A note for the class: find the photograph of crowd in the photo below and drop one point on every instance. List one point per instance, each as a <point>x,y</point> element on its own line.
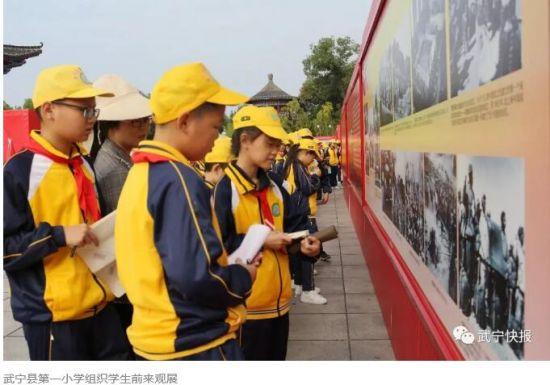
<point>385,89</point>
<point>368,120</point>
<point>372,140</point>
<point>402,195</point>
<point>401,70</point>
<point>440,227</point>
<point>429,52</point>
<point>485,41</point>
<point>491,204</point>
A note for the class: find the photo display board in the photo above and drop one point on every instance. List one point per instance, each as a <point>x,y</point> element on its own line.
<point>456,162</point>
<point>353,109</point>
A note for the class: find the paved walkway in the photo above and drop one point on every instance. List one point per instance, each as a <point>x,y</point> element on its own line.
<point>350,326</point>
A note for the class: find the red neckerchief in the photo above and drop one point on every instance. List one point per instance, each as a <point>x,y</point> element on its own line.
<point>87,199</point>
<point>264,206</point>
<point>139,156</point>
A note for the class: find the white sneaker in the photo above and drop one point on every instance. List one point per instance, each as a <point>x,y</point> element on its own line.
<point>298,290</point>
<point>313,298</point>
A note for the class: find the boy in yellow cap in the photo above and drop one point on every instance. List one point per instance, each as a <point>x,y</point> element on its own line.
<point>216,161</point>
<point>247,196</point>
<point>49,202</point>
<point>302,186</point>
<point>334,163</point>
<point>188,303</point>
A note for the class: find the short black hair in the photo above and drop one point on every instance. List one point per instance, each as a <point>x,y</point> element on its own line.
<point>210,165</point>
<point>205,107</point>
<point>252,131</point>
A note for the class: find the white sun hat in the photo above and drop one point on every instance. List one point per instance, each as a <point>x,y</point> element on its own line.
<point>128,102</point>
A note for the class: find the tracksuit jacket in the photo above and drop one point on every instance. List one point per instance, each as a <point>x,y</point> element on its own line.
<point>48,280</point>
<point>240,203</point>
<point>171,259</point>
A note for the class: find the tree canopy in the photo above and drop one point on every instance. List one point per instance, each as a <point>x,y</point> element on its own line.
<point>328,69</point>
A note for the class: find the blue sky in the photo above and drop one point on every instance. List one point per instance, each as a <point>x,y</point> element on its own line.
<point>240,41</point>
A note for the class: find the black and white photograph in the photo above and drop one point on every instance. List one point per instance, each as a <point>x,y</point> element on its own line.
<point>485,41</point>
<point>385,89</point>
<point>372,139</point>
<point>491,200</point>
<point>368,121</point>
<point>375,140</point>
<point>387,164</point>
<point>401,69</point>
<point>402,195</point>
<point>440,220</point>
<point>429,53</point>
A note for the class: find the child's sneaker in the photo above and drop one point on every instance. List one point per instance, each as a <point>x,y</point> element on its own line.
<point>298,290</point>
<point>313,298</point>
<point>324,257</point>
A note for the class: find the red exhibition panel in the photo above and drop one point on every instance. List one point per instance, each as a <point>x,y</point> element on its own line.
<point>446,149</point>
<point>17,126</point>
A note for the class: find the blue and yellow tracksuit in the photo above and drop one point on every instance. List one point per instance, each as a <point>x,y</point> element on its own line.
<point>302,188</point>
<point>48,282</point>
<point>62,305</point>
<point>210,186</point>
<point>171,259</point>
<point>238,206</point>
<point>334,163</point>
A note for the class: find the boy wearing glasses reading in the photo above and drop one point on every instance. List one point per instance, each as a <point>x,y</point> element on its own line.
<point>49,202</point>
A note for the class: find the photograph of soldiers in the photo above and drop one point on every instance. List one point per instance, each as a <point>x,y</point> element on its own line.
<point>372,146</point>
<point>485,41</point>
<point>387,164</point>
<point>385,89</point>
<point>440,230</point>
<point>429,51</point>
<point>402,195</point>
<point>368,121</point>
<point>491,252</point>
<point>375,139</point>
<point>401,70</point>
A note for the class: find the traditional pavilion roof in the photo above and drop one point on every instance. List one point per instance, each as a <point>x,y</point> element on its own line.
<point>17,55</point>
<point>271,95</point>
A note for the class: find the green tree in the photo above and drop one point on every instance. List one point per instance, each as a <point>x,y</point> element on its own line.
<point>27,104</point>
<point>7,106</point>
<point>328,70</point>
<point>294,117</point>
<point>324,122</point>
<point>228,123</point>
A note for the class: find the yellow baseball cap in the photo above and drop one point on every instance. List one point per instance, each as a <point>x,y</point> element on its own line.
<point>221,152</point>
<point>265,118</point>
<point>309,145</point>
<point>63,81</point>
<point>304,132</point>
<point>186,87</point>
<point>294,138</point>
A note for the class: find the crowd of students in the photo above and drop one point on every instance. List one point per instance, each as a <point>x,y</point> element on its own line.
<point>184,198</point>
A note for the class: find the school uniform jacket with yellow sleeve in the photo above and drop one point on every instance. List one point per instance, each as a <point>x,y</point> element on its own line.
<point>238,207</point>
<point>333,157</point>
<point>48,281</point>
<point>171,260</point>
